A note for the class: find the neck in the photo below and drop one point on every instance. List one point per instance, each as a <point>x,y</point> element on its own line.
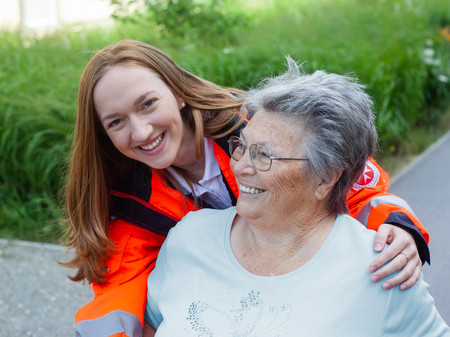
<point>278,248</point>
<point>194,169</point>
<point>187,159</point>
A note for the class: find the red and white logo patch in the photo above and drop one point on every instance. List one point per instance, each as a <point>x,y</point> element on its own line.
<point>368,178</point>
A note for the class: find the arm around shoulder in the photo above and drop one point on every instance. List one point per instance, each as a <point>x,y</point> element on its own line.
<point>370,204</point>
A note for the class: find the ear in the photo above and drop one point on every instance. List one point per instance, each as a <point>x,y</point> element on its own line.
<point>180,102</point>
<point>324,188</point>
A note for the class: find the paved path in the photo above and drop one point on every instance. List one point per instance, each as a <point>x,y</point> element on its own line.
<point>425,185</point>
<point>37,299</point>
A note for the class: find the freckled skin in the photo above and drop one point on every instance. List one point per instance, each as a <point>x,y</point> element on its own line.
<point>136,108</point>
<point>278,230</point>
<point>283,138</point>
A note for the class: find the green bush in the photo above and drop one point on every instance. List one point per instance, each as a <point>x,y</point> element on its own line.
<point>381,42</point>
<point>400,49</point>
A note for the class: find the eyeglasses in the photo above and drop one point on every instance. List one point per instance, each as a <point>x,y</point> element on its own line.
<point>260,156</point>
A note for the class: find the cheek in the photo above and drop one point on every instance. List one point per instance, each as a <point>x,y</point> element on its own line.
<point>291,189</point>
<point>286,185</point>
<point>118,140</point>
<point>177,124</point>
<point>232,164</point>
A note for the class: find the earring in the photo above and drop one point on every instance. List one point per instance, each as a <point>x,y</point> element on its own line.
<point>183,105</point>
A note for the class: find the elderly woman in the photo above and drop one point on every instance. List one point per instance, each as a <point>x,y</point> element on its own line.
<point>287,260</point>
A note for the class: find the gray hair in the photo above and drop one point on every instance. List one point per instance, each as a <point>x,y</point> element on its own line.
<point>336,113</point>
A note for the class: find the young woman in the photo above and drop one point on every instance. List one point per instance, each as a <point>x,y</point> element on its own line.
<point>150,145</point>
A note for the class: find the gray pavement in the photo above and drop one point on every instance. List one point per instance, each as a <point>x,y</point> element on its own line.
<point>425,185</point>
<point>37,299</point>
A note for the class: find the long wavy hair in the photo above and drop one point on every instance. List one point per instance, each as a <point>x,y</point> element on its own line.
<point>210,111</point>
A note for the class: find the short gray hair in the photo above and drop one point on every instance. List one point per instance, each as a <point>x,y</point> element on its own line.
<point>339,128</point>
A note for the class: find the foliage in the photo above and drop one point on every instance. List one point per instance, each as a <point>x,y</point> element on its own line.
<point>381,42</point>
<point>400,49</point>
<point>38,82</point>
<point>183,19</point>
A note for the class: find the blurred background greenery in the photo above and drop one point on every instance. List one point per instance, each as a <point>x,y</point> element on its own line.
<point>399,48</point>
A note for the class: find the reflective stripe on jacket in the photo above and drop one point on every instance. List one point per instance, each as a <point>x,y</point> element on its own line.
<point>142,220</point>
<point>118,306</point>
<point>146,211</point>
<point>369,203</point>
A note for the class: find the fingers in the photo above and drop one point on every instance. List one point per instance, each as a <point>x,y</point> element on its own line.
<point>395,264</point>
<point>400,258</point>
<point>406,278</point>
<point>382,236</point>
<point>390,253</point>
<point>413,279</point>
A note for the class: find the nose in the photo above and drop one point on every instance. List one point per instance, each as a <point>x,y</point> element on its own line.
<point>140,128</point>
<point>243,165</point>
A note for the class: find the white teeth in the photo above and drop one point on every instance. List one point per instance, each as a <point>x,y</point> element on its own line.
<point>154,144</point>
<point>249,190</point>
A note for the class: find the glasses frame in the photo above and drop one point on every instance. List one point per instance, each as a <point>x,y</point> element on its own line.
<point>249,147</point>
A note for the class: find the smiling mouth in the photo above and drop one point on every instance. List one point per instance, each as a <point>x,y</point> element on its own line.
<point>250,190</point>
<point>154,144</point>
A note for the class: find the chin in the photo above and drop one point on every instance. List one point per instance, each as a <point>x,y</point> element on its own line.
<point>245,210</point>
<point>161,163</point>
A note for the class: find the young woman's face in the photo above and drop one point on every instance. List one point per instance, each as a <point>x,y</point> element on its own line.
<point>141,115</point>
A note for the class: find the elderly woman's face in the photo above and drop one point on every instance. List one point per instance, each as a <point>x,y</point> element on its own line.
<point>285,187</point>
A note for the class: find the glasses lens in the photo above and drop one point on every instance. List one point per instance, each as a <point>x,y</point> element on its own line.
<point>260,157</point>
<point>237,148</point>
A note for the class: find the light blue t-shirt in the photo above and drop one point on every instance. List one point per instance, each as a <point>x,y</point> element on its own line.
<point>198,288</point>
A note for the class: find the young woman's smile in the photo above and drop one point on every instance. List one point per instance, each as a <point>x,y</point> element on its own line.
<point>141,116</point>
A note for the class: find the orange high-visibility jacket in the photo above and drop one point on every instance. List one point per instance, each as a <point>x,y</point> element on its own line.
<point>145,211</point>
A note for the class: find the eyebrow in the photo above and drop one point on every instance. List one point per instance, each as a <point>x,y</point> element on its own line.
<point>138,100</point>
<point>142,98</point>
<point>110,116</point>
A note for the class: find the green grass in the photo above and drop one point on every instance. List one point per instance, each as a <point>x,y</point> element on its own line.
<point>384,43</point>
<point>419,139</point>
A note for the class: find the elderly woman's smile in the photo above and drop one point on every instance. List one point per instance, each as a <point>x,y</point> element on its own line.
<point>250,190</point>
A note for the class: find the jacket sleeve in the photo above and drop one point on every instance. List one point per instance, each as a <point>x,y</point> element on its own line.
<point>370,203</point>
<point>118,305</point>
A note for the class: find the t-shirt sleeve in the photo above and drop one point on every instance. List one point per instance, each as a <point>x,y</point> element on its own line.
<point>155,283</point>
<point>412,313</point>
